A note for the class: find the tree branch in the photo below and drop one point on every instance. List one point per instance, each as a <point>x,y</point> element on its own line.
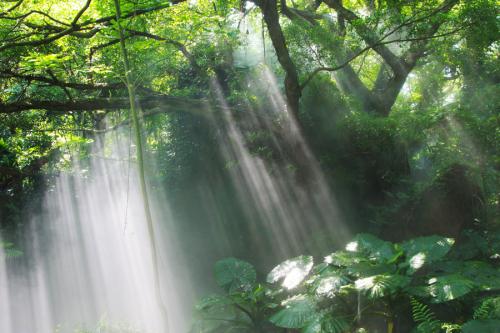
<point>269,10</point>
<point>93,26</point>
<point>181,47</point>
<point>369,47</point>
<point>368,36</point>
<point>55,82</point>
<point>81,12</point>
<point>17,4</point>
<point>170,103</point>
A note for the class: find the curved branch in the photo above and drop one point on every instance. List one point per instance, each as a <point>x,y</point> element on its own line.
<point>17,4</point>
<point>368,36</point>
<point>81,12</point>
<point>31,12</point>
<point>181,47</point>
<point>369,47</point>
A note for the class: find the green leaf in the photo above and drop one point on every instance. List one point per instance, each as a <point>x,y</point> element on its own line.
<point>329,284</point>
<point>375,248</point>
<point>326,323</point>
<point>483,274</point>
<point>292,272</point>
<point>313,327</point>
<point>382,285</point>
<point>365,268</point>
<point>298,311</point>
<point>234,275</point>
<point>482,326</point>
<point>449,287</point>
<point>425,250</point>
<point>333,324</point>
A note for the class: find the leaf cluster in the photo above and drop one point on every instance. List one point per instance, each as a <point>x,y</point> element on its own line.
<point>371,277</point>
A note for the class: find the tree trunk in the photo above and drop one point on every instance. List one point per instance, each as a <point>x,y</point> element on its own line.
<point>269,10</point>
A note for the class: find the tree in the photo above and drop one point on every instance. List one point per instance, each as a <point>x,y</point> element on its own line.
<point>398,33</point>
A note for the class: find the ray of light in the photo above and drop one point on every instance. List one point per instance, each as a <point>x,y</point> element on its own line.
<point>84,267</point>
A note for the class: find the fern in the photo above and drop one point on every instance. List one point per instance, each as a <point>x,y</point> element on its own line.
<point>424,317</point>
<point>483,310</point>
<point>488,309</point>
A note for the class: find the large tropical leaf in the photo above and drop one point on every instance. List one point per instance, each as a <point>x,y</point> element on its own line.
<point>375,248</point>
<point>425,250</point>
<point>382,285</point>
<point>291,272</point>
<point>297,312</point>
<point>483,274</point>
<point>326,323</point>
<point>328,284</point>
<point>234,275</point>
<point>449,287</point>
<point>333,324</point>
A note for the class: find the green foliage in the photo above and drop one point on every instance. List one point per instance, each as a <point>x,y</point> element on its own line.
<point>291,272</point>
<point>488,309</point>
<point>483,326</point>
<point>235,275</point>
<point>424,317</point>
<point>378,286</point>
<point>449,287</point>
<point>297,312</point>
<point>446,113</point>
<point>425,250</point>
<point>327,323</point>
<point>325,298</point>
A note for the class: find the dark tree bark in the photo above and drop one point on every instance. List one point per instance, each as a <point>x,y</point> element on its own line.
<point>270,13</point>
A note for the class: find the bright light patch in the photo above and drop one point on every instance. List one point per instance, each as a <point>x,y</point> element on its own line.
<point>448,291</point>
<point>366,283</point>
<point>417,260</point>
<point>329,285</point>
<point>293,279</point>
<point>352,247</point>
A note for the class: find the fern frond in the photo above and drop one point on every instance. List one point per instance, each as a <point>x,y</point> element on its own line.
<point>424,317</point>
<point>486,309</point>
